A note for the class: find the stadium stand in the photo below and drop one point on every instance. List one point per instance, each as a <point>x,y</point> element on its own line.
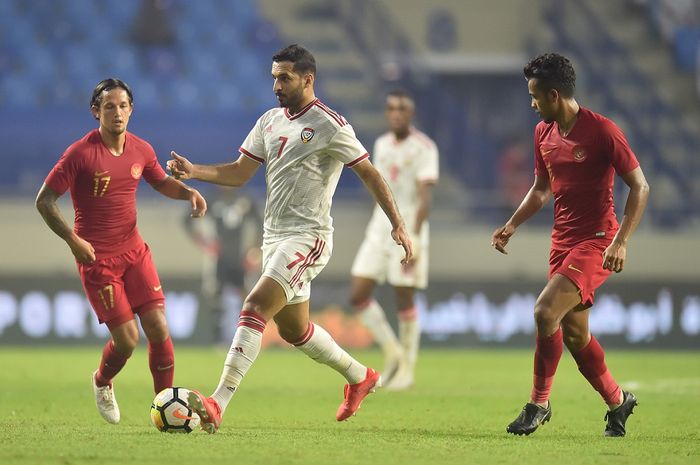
<point>200,73</point>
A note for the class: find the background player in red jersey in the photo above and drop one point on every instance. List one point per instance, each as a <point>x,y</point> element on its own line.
<point>577,153</point>
<point>102,171</point>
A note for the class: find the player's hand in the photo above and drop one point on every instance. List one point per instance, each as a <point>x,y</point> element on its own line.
<point>614,257</point>
<point>82,250</point>
<point>402,238</point>
<point>179,166</point>
<point>416,250</point>
<point>199,204</point>
<point>501,236</point>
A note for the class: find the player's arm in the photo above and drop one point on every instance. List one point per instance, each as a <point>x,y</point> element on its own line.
<point>228,174</point>
<point>425,200</point>
<point>536,198</point>
<point>376,185</point>
<point>177,190</point>
<point>49,211</point>
<point>614,256</point>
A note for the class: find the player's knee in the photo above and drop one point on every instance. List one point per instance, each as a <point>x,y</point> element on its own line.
<point>157,332</point>
<point>155,326</point>
<point>545,314</point>
<point>253,305</point>
<point>126,342</point>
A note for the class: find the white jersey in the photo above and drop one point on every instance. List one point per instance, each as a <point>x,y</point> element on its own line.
<point>304,155</point>
<point>404,164</point>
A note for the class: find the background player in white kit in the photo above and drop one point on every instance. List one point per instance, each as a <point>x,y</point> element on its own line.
<point>408,160</point>
<point>304,146</point>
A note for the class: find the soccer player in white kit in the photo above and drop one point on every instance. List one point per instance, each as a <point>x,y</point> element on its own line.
<point>304,146</point>
<point>408,160</point>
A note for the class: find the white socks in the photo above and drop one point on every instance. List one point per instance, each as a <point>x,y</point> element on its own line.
<point>374,318</point>
<point>409,333</point>
<point>245,348</point>
<point>320,346</point>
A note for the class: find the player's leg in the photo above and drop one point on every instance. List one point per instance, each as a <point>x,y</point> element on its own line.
<point>145,293</point>
<point>161,354</point>
<point>104,289</point>
<point>296,328</point>
<point>409,335</point>
<point>559,296</point>
<point>590,358</point>
<point>374,318</point>
<point>264,301</point>
<point>116,352</point>
<point>583,266</point>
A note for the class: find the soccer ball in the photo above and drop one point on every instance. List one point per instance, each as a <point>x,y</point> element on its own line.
<point>170,412</point>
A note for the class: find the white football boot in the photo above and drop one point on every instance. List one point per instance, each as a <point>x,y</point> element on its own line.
<point>106,402</point>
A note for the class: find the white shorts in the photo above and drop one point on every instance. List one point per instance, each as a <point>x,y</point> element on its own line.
<point>294,261</point>
<point>379,259</point>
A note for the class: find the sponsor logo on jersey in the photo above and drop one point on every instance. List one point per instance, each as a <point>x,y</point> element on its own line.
<point>136,170</point>
<point>268,129</point>
<point>579,154</point>
<point>307,134</point>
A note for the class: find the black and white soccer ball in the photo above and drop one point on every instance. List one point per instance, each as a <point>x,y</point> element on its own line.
<point>170,412</point>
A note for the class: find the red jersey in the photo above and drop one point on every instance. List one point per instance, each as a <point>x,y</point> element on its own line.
<point>581,168</point>
<point>103,189</point>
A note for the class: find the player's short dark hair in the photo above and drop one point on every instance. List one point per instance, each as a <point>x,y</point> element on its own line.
<point>107,85</point>
<point>400,93</point>
<point>552,71</point>
<point>304,61</point>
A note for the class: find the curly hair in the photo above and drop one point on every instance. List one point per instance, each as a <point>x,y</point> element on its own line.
<point>552,71</point>
<point>304,61</point>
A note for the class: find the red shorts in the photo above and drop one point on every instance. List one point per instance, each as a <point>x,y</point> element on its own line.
<point>119,287</point>
<point>582,264</point>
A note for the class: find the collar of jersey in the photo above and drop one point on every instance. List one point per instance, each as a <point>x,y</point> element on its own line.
<point>300,112</point>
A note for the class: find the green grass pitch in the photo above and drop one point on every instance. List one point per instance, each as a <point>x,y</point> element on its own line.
<point>284,412</point>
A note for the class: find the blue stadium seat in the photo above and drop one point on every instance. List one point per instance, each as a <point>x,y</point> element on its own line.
<point>17,91</point>
<point>227,97</point>
<point>686,45</point>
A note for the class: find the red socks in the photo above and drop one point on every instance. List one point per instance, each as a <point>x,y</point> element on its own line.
<point>547,354</point>
<point>591,364</point>
<point>161,360</point>
<point>112,362</point>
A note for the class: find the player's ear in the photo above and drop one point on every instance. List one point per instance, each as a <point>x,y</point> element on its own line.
<point>309,80</point>
<point>95,112</point>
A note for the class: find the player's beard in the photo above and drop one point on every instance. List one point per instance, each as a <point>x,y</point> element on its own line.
<point>292,100</point>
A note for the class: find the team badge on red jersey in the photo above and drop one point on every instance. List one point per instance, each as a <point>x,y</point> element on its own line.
<point>307,134</point>
<point>136,170</point>
<point>579,153</point>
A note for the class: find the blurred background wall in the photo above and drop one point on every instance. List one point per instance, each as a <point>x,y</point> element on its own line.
<point>200,75</point>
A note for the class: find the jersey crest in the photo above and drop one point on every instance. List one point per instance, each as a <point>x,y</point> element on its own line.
<point>579,154</point>
<point>307,134</point>
<point>136,170</point>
